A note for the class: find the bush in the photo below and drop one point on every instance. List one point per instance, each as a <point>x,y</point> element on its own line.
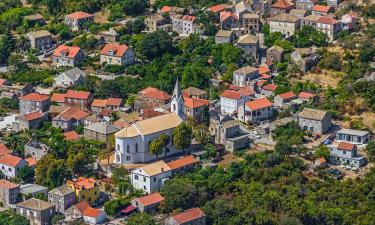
<point>114,69</point>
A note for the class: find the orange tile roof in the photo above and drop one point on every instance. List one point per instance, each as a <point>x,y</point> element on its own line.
<point>7,184</point>
<point>33,116</point>
<point>157,94</point>
<point>259,103</point>
<point>150,113</point>
<point>106,112</point>
<point>117,49</point>
<point>82,206</point>
<point>287,95</point>
<point>346,146</point>
<point>79,15</point>
<point>121,124</point>
<point>231,94</point>
<point>72,51</point>
<point>322,160</point>
<point>283,4</point>
<point>165,9</point>
<point>3,81</point>
<point>92,212</point>
<point>10,160</point>
<point>185,161</point>
<point>71,135</point>
<point>4,149</point>
<point>217,8</point>
<point>306,95</point>
<point>261,83</point>
<point>189,215</point>
<point>188,17</point>
<point>73,113</point>
<point>263,69</point>
<point>35,97</point>
<point>327,20</point>
<point>114,102</point>
<point>193,103</point>
<point>57,97</point>
<point>321,8</point>
<point>225,15</point>
<point>270,87</point>
<point>83,182</point>
<point>150,199</point>
<point>246,91</point>
<point>78,94</point>
<point>31,161</point>
<point>265,76</point>
<point>99,103</point>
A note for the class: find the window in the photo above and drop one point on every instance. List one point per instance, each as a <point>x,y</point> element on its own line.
<point>127,148</point>
<point>136,147</point>
<point>154,179</point>
<point>144,179</point>
<point>136,177</point>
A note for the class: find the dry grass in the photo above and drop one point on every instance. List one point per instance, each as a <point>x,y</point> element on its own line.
<point>228,159</point>
<point>325,79</point>
<point>101,17</point>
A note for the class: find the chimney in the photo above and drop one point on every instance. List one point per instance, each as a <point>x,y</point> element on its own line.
<point>162,170</point>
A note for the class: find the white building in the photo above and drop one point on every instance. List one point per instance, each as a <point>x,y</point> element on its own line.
<point>255,111</point>
<point>183,25</point>
<point>150,178</point>
<point>244,75</point>
<point>231,100</point>
<point>116,54</point>
<point>345,154</point>
<point>353,136</point>
<point>69,78</point>
<point>10,165</point>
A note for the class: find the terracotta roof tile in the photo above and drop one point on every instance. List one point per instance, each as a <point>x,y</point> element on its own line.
<point>10,160</point>
<point>270,87</point>
<point>246,91</point>
<point>7,184</point>
<point>150,199</point>
<point>3,81</point>
<point>4,149</point>
<point>321,8</point>
<point>189,215</point>
<point>36,97</point>
<point>193,103</point>
<point>114,102</point>
<point>92,212</point>
<point>185,161</point>
<point>346,146</point>
<point>283,4</point>
<point>82,206</point>
<point>117,50</point>
<point>99,103</point>
<point>225,15</point>
<point>71,51</point>
<point>188,17</point>
<point>78,94</point>
<point>231,94</point>
<point>73,113</point>
<point>156,94</point>
<point>259,103</point>
<point>106,112</point>
<point>306,95</point>
<point>287,95</point>
<point>327,20</point>
<point>217,8</point>
<point>33,116</point>
<point>57,97</point>
<point>263,70</point>
<point>31,161</point>
<point>166,9</point>
<point>79,15</point>
<point>71,135</point>
<point>83,182</point>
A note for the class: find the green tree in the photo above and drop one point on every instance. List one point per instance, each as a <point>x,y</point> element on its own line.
<point>10,218</point>
<point>141,219</point>
<point>112,207</point>
<point>155,44</point>
<point>201,133</point>
<point>322,152</point>
<point>182,135</point>
<point>156,147</point>
<point>370,149</point>
<point>26,174</point>
<point>309,36</point>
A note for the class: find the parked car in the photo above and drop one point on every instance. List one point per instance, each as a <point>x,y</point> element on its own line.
<point>327,142</point>
<point>256,134</point>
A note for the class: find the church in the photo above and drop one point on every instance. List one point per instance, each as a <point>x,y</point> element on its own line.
<point>132,142</point>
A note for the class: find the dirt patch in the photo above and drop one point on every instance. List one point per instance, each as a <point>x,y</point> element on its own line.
<point>368,119</point>
<point>325,79</point>
<point>101,17</point>
<point>228,159</point>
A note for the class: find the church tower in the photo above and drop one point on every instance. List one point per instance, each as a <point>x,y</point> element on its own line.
<point>177,103</point>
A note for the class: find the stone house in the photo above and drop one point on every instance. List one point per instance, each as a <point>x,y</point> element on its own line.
<point>19,90</point>
<point>321,10</point>
<point>217,9</point>
<point>149,203</point>
<point>117,54</point>
<point>150,98</point>
<point>255,111</point>
<point>193,92</point>
<point>228,20</point>
<point>242,8</point>
<point>194,216</point>
<point>9,192</point>
<point>69,119</point>
<point>306,4</point>
<point>113,104</point>
<point>100,132</point>
<point>333,3</point>
<point>36,149</point>
<point>284,23</point>
<point>348,21</point>
<point>224,36</point>
<point>268,90</point>
<point>183,164</point>
<point>244,75</point>
<point>62,197</point>
<point>110,35</point>
<point>69,78</point>
<point>280,100</point>
<point>38,212</point>
<point>40,40</point>
<point>196,108</point>
<point>35,19</point>
<point>329,26</point>
<point>82,99</point>
<point>33,190</point>
<point>251,22</point>
<point>250,45</point>
<point>280,7</point>
<point>34,102</point>
<point>306,63</point>
<point>77,20</point>
<point>85,189</point>
<point>299,13</point>
<point>156,22</point>
<point>275,54</point>
<point>314,120</point>
<point>30,121</point>
<point>67,56</point>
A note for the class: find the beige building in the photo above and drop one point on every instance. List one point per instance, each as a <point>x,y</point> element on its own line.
<point>38,212</point>
<point>116,54</point>
<point>40,40</point>
<point>156,22</point>
<point>251,22</point>
<point>284,23</point>
<point>100,132</point>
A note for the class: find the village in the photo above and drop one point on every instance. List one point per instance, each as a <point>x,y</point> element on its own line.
<point>70,156</point>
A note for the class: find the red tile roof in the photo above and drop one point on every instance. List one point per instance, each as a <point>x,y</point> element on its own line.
<point>92,212</point>
<point>225,15</point>
<point>165,9</point>
<point>283,4</point>
<point>10,160</point>
<point>150,199</point>
<point>188,17</point>
<point>99,103</point>
<point>73,113</point>
<point>259,103</point>
<point>106,112</point>
<point>148,89</point>
<point>77,94</point>
<point>3,81</point>
<point>82,206</point>
<point>217,8</point>
<point>149,113</point>
<point>346,146</point>
<point>231,94</point>
<point>31,161</point>
<point>114,102</point>
<point>270,87</point>
<point>71,51</point>
<point>322,160</point>
<point>4,149</point>
<point>287,95</point>
<point>246,91</point>
<point>327,20</point>
<point>117,49</point>
<point>265,76</point>
<point>57,97</point>
<point>157,94</point>
<point>83,182</point>
<point>261,83</point>
<point>189,215</point>
<point>306,95</point>
<point>33,116</point>
<point>321,8</point>
<point>71,136</point>
<point>263,69</point>
<point>79,15</point>
<point>35,97</point>
<point>7,184</point>
<point>185,161</point>
<point>193,103</point>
